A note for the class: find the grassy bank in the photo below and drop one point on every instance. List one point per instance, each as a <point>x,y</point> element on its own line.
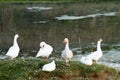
<point>30,69</point>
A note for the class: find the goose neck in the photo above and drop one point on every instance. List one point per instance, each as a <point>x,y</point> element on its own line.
<point>15,41</point>
<point>67,46</point>
<point>99,46</point>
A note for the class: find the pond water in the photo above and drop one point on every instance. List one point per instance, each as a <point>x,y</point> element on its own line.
<point>82,23</point>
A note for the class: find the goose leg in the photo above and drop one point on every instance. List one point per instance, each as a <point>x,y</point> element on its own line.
<point>67,62</point>
<point>13,58</point>
<point>46,59</point>
<point>94,61</point>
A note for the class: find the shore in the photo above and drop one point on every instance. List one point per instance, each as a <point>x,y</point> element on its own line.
<point>30,69</point>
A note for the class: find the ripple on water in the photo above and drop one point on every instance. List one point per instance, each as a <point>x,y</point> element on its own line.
<point>66,17</point>
<point>111,59</point>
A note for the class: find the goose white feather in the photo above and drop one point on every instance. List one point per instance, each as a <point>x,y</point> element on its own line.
<point>45,50</point>
<point>67,54</point>
<point>49,67</point>
<point>14,50</point>
<point>96,55</point>
<point>86,60</point>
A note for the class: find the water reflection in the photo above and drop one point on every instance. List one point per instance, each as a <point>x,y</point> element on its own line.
<point>66,17</point>
<point>34,27</point>
<point>35,8</point>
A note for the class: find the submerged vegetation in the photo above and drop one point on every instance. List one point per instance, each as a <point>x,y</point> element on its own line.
<point>30,69</point>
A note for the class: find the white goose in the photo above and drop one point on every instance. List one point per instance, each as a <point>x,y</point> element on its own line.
<point>96,55</point>
<point>86,60</point>
<point>67,54</point>
<point>14,50</point>
<point>45,50</point>
<point>49,67</point>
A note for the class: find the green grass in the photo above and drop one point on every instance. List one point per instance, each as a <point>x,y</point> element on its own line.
<point>55,0</point>
<point>30,69</point>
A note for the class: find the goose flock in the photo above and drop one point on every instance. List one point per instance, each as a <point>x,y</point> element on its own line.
<point>46,50</point>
